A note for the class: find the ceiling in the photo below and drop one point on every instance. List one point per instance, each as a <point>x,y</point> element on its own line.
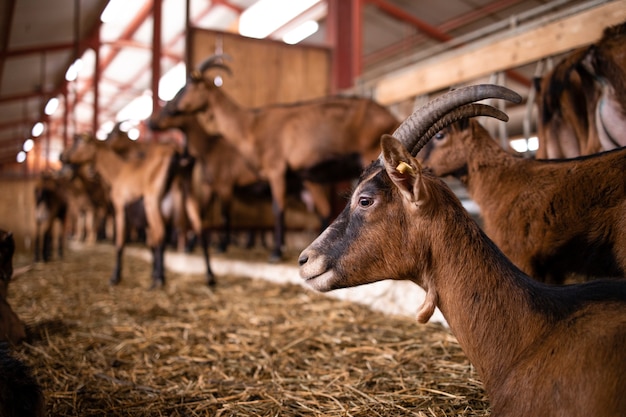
<point>39,40</point>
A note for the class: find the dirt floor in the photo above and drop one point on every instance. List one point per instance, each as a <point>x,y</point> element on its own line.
<point>246,348</point>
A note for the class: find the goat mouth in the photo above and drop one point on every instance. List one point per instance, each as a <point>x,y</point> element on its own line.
<point>321,282</point>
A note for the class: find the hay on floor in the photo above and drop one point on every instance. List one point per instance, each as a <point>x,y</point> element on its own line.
<point>246,348</point>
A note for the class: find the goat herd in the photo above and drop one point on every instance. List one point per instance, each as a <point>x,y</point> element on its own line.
<point>541,347</point>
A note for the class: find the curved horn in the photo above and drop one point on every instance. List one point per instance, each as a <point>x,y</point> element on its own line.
<point>420,122</point>
<point>215,61</point>
<point>464,112</point>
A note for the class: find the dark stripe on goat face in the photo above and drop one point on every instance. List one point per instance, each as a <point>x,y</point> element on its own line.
<point>363,243</point>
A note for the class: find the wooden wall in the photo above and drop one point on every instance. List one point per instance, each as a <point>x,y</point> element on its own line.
<point>17,210</point>
<point>265,71</point>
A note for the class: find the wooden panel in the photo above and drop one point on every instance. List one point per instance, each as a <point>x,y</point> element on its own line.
<point>265,71</point>
<point>17,210</point>
<point>484,58</point>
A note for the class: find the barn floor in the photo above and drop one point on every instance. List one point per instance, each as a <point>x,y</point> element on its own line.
<point>249,347</point>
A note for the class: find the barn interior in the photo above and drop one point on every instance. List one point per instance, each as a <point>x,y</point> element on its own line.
<point>94,67</point>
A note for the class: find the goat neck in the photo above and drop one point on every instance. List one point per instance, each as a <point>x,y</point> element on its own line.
<point>404,223</point>
<point>419,223</point>
<point>226,116</point>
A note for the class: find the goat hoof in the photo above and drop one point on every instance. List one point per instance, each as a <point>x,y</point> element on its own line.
<point>157,284</point>
<point>210,281</point>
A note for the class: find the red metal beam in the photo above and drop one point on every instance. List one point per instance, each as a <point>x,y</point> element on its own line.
<point>127,34</point>
<point>96,86</point>
<point>357,39</point>
<point>7,24</point>
<point>400,14</point>
<point>156,51</point>
<point>119,44</point>
<point>228,4</point>
<point>439,33</point>
<point>445,27</point>
<point>132,81</point>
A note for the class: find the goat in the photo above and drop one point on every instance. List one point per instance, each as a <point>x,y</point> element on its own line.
<point>87,201</point>
<point>606,61</point>
<point>224,172</point>
<point>12,329</point>
<point>297,137</point>
<point>547,216</point>
<point>540,350</point>
<point>51,207</point>
<point>179,193</point>
<point>582,101</point>
<point>148,178</point>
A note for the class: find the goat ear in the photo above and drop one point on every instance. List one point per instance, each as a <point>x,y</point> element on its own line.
<point>403,169</point>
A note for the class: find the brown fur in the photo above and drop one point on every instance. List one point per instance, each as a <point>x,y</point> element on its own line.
<point>582,101</point>
<point>12,329</point>
<point>88,202</point>
<point>551,218</point>
<point>147,176</point>
<point>51,207</point>
<point>540,350</point>
<point>223,170</point>
<point>296,137</point>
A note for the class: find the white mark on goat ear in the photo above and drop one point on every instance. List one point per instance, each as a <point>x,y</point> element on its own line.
<point>403,168</point>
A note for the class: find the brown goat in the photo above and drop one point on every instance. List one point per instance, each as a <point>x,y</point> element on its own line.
<point>606,61</point>
<point>540,350</point>
<point>87,201</point>
<point>51,206</point>
<point>225,174</point>
<point>548,216</point>
<point>297,137</point>
<point>146,177</point>
<point>582,101</point>
<point>12,329</point>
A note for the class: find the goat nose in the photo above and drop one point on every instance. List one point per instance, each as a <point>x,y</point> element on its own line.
<point>303,259</point>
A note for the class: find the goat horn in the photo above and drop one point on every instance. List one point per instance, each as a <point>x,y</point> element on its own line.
<point>460,113</point>
<point>420,122</point>
<point>215,61</point>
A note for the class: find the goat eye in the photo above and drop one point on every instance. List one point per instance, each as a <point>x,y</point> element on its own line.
<point>365,201</point>
<point>439,135</point>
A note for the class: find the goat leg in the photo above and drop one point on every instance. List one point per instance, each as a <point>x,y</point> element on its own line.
<point>205,243</point>
<point>116,276</point>
<point>158,267</point>
<point>226,227</point>
<point>279,233</point>
<point>46,251</point>
<point>38,244</point>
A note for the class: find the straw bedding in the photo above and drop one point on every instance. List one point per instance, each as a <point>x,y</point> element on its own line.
<point>246,348</point>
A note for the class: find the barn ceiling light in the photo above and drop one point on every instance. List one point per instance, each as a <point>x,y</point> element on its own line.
<point>21,157</point>
<point>72,72</point>
<point>266,16</point>
<point>172,81</point>
<point>28,145</point>
<point>37,129</point>
<point>51,106</point>
<point>139,108</point>
<point>525,145</point>
<point>105,129</point>
<point>114,8</point>
<point>301,32</point>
